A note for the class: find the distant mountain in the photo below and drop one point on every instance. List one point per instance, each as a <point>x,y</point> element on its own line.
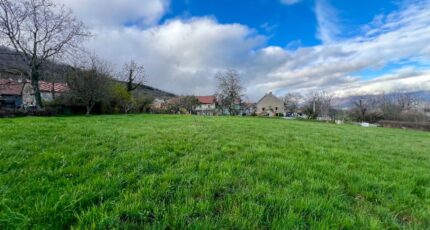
<point>154,92</point>
<point>348,102</point>
<point>12,66</point>
<point>423,95</point>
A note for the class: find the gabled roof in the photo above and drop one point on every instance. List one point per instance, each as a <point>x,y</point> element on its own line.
<point>270,95</point>
<point>206,99</point>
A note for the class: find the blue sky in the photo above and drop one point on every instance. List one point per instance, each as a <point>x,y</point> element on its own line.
<point>345,47</point>
<point>284,25</point>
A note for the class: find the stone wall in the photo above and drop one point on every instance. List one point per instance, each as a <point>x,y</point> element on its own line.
<point>270,105</point>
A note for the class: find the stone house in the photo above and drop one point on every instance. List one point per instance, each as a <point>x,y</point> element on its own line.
<point>48,92</point>
<point>270,105</point>
<point>16,94</point>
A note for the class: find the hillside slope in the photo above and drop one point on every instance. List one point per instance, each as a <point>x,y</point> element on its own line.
<point>12,66</point>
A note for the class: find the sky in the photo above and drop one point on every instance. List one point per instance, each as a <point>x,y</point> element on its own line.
<point>280,46</point>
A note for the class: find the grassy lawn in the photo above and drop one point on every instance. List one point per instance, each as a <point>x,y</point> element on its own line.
<point>159,171</point>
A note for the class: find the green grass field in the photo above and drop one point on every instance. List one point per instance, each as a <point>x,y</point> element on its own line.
<point>160,171</point>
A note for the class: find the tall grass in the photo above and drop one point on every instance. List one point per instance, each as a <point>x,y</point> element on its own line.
<point>210,173</point>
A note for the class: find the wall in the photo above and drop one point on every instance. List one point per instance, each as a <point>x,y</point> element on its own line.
<point>28,96</point>
<point>206,109</point>
<point>269,105</point>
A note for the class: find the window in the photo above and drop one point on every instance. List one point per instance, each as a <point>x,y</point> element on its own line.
<point>276,108</point>
<point>263,108</point>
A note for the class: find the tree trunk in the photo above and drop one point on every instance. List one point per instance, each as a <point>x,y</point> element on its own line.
<point>130,81</point>
<point>313,106</point>
<point>35,84</point>
<point>88,110</point>
<point>53,90</point>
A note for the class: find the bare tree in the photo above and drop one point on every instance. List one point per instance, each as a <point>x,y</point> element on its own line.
<point>319,104</point>
<point>361,108</point>
<point>406,100</point>
<point>292,101</point>
<point>182,104</point>
<point>90,84</point>
<point>393,106</point>
<point>399,107</point>
<point>188,103</point>
<point>133,74</point>
<point>325,100</point>
<point>229,90</point>
<point>38,30</point>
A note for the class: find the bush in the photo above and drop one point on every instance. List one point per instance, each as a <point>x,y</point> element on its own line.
<point>425,126</point>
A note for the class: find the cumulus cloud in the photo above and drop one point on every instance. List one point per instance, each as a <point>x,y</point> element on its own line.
<point>406,79</point>
<point>182,55</point>
<point>403,35</point>
<point>117,13</point>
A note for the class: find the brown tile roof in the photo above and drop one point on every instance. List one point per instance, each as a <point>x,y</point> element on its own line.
<point>206,99</point>
<point>47,87</point>
<point>11,87</point>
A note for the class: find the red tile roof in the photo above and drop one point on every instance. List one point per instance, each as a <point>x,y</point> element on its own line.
<point>206,99</point>
<point>11,87</point>
<point>47,87</point>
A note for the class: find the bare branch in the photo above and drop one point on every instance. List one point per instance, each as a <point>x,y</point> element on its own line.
<point>230,90</point>
<point>39,30</point>
<point>133,75</point>
<point>89,83</point>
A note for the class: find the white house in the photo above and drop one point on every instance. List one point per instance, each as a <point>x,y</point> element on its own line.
<point>207,105</point>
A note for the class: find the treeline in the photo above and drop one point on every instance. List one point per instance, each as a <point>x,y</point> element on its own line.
<point>94,85</point>
<point>404,107</point>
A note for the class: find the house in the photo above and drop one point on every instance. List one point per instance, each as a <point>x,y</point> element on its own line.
<point>10,94</point>
<point>270,105</point>
<point>18,94</point>
<point>48,92</point>
<point>248,108</point>
<point>207,105</point>
<point>158,104</point>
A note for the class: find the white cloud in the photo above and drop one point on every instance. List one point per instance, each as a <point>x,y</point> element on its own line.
<point>328,23</point>
<point>290,2</point>
<point>116,13</point>
<point>405,79</point>
<point>402,36</point>
<point>182,56</point>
